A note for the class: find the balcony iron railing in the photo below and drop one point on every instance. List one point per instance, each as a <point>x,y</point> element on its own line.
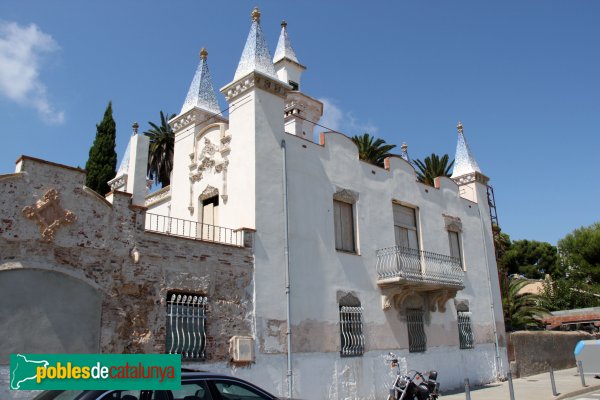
<point>193,230</point>
<point>412,265</point>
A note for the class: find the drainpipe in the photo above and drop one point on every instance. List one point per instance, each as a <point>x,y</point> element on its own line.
<point>287,272</point>
<point>487,268</point>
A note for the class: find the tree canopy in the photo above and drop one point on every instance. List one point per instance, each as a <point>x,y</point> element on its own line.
<point>531,259</point>
<point>102,161</point>
<point>161,150</point>
<point>371,149</point>
<point>580,254</point>
<point>432,167</point>
<point>564,294</point>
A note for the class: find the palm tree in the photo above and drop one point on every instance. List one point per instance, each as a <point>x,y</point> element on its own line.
<point>522,310</point>
<point>371,149</point>
<point>432,167</point>
<point>160,152</point>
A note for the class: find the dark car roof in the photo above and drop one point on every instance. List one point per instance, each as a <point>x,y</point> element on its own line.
<point>186,375</point>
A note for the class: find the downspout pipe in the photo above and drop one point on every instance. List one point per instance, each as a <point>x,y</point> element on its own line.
<point>487,268</point>
<point>287,272</point>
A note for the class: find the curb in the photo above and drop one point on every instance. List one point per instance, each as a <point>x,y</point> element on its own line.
<point>584,390</point>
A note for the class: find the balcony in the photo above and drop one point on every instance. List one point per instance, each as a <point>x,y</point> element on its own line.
<point>193,230</point>
<point>402,271</point>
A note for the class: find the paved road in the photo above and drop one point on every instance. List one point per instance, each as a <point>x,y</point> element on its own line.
<point>588,396</point>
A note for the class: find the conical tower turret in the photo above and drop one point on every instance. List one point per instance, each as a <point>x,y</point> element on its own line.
<point>464,162</point>
<point>286,62</point>
<point>255,56</point>
<point>201,93</point>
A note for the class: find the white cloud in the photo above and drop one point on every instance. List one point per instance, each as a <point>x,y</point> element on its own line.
<point>21,50</point>
<point>343,121</point>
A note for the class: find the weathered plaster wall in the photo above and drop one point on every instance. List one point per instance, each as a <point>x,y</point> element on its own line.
<point>96,251</point>
<point>535,352</point>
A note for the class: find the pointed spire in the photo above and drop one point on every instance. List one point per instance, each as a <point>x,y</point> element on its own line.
<point>201,93</point>
<point>404,153</point>
<point>464,162</point>
<point>284,46</point>
<point>255,56</point>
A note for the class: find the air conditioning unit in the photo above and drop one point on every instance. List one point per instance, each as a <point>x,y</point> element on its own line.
<point>241,349</point>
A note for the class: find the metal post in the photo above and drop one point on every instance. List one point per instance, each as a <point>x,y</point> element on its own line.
<point>580,365</point>
<point>467,389</point>
<point>510,386</point>
<point>554,392</point>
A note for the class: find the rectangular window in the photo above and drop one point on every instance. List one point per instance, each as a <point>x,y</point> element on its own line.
<point>454,245</point>
<point>351,332</point>
<point>417,341</point>
<point>344,226</point>
<point>465,333</point>
<point>405,226</point>
<point>186,320</point>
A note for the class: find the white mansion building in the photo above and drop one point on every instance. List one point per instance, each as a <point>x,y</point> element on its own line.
<point>287,262</point>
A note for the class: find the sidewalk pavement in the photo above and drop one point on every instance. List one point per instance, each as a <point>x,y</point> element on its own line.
<point>568,384</point>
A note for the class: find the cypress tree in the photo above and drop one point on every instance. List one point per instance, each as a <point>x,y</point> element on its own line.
<point>102,162</point>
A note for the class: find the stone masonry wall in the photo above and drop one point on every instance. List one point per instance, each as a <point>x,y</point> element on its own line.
<point>97,249</point>
<point>534,352</point>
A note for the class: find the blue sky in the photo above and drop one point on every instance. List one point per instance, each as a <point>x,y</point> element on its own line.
<point>522,76</point>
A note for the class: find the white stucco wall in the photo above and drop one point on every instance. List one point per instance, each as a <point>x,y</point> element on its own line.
<point>319,274</point>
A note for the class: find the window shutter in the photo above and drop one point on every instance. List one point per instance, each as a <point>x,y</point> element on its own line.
<point>347,227</point>
<point>344,226</point>
<point>404,216</point>
<point>337,217</point>
<point>454,244</point>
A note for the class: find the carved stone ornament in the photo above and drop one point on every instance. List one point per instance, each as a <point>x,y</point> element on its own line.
<point>208,193</point>
<point>397,297</point>
<point>255,79</point>
<point>195,177</point>
<point>49,215</point>
<point>206,164</point>
<point>118,182</point>
<point>221,166</point>
<point>470,178</point>
<point>346,195</point>
<point>453,224</point>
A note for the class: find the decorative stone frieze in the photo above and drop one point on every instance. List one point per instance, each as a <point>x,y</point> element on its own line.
<point>396,297</point>
<point>158,196</point>
<point>195,116</point>
<point>195,177</point>
<point>118,182</point>
<point>470,178</point>
<point>346,195</point>
<point>258,80</point>
<point>208,193</point>
<point>49,215</point>
<point>453,224</point>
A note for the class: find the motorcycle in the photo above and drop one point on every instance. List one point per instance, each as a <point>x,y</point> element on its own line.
<point>414,385</point>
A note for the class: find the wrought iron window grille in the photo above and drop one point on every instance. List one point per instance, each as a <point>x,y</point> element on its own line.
<point>186,325</point>
<point>417,340</point>
<point>465,332</point>
<point>351,331</point>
